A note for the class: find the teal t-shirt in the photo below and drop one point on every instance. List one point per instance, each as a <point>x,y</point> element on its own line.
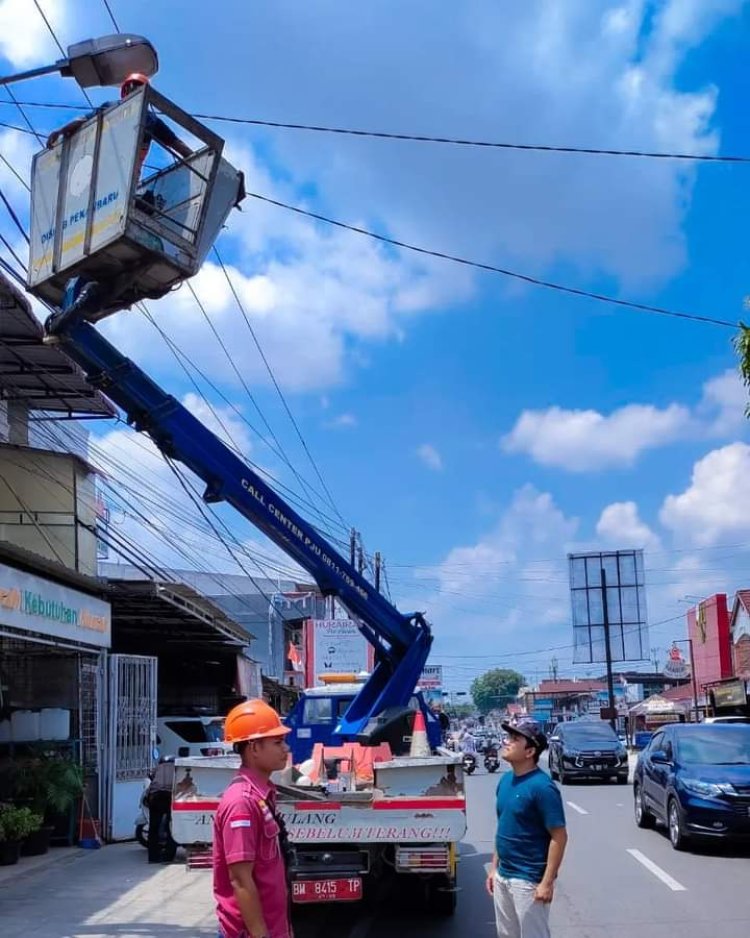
<point>527,807</point>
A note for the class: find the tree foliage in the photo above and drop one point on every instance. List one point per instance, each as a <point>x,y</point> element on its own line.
<point>742,347</point>
<point>495,689</point>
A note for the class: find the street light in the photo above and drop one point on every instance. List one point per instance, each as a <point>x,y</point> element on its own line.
<point>689,641</point>
<point>104,61</point>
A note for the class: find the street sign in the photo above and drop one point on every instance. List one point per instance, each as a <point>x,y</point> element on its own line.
<point>608,590</point>
<point>676,667</point>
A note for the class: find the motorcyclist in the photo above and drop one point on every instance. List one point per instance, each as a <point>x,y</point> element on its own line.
<point>468,743</point>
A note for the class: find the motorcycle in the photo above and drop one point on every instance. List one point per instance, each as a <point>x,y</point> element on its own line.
<point>469,763</point>
<point>491,761</point>
<point>142,820</point>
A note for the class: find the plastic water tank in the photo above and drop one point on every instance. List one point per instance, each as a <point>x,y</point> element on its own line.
<point>54,723</point>
<point>25,725</point>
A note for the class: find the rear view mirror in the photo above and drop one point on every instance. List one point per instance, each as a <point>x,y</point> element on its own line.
<point>660,757</point>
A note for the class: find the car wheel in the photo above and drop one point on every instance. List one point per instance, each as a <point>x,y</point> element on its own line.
<point>677,836</point>
<point>564,780</point>
<point>552,772</point>
<point>141,834</point>
<point>643,817</point>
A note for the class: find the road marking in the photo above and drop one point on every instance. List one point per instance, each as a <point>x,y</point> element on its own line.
<point>657,871</point>
<point>576,807</point>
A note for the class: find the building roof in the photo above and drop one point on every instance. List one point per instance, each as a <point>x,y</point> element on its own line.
<point>173,612</point>
<point>742,597</point>
<point>39,375</point>
<point>569,687</point>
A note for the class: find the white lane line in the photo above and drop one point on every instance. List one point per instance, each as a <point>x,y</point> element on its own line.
<point>576,807</point>
<point>657,871</point>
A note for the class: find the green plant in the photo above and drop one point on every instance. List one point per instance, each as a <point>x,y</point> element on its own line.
<point>49,784</point>
<point>18,823</point>
<point>742,347</point>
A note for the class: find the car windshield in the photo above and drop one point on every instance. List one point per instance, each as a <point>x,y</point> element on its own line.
<point>716,745</point>
<point>215,731</point>
<point>590,731</point>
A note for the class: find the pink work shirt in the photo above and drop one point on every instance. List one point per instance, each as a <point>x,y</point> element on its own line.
<point>245,832</point>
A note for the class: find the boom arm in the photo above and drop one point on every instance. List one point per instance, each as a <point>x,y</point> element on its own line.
<point>402,643</point>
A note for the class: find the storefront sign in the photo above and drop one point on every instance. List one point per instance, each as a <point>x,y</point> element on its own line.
<point>731,694</point>
<point>39,605</point>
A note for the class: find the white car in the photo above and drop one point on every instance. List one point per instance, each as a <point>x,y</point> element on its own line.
<point>189,736</point>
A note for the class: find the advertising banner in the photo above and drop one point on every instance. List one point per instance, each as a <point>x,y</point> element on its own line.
<point>334,646</point>
<point>432,677</point>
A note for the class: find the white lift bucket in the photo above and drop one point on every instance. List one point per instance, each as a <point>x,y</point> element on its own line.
<point>96,212</point>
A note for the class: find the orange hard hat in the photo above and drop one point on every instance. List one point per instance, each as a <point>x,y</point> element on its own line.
<point>135,78</point>
<point>253,719</point>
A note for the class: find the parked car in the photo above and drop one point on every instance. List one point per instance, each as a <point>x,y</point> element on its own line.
<point>695,778</point>
<point>188,736</point>
<point>587,749</point>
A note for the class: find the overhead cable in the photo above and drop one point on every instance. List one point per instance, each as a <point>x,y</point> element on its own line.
<point>491,268</point>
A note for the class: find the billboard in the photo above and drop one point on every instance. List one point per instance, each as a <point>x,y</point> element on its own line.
<point>334,646</point>
<point>432,677</point>
<point>610,582</point>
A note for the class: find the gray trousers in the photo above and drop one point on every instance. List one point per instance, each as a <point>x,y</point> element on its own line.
<point>517,913</point>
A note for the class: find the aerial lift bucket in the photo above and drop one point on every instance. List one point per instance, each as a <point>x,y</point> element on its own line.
<point>100,214</point>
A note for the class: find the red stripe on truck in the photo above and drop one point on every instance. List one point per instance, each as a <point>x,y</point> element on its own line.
<point>420,804</point>
<point>207,805</point>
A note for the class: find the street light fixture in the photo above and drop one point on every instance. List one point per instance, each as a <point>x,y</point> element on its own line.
<point>107,60</point>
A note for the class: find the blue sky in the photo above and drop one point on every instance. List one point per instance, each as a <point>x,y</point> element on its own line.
<point>473,430</point>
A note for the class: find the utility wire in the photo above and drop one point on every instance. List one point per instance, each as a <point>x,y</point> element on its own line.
<point>14,216</point>
<point>15,172</point>
<point>20,130</point>
<point>52,33</point>
<point>280,393</point>
<point>452,141</point>
<point>505,272</point>
<point>111,15</point>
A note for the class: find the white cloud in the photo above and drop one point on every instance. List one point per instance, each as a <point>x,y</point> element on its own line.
<point>713,507</point>
<point>430,457</point>
<point>587,440</point>
<point>24,39</point>
<point>620,527</point>
<point>342,422</point>
<point>584,440</point>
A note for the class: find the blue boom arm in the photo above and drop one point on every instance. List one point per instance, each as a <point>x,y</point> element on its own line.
<point>402,642</point>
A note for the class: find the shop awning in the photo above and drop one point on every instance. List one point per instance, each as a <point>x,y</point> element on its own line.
<point>146,614</point>
<point>40,375</point>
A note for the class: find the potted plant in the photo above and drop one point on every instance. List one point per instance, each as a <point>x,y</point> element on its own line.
<point>50,785</point>
<point>15,825</point>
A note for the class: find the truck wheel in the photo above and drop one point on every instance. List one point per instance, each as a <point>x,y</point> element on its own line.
<point>442,896</point>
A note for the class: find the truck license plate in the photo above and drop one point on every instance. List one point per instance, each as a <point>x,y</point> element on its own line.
<point>327,890</point>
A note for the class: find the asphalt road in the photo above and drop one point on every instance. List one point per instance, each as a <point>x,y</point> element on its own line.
<point>617,880</point>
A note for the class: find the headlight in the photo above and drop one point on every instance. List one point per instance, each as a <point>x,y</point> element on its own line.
<point>706,789</point>
<point>570,753</point>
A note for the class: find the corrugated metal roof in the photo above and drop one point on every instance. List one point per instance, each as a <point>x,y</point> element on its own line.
<point>39,375</point>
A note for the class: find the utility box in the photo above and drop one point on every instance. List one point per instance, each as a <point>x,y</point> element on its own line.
<point>101,210</point>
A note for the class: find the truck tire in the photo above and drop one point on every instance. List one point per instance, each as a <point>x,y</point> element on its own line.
<point>442,896</point>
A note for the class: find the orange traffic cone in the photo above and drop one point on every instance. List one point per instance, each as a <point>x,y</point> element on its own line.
<point>420,745</point>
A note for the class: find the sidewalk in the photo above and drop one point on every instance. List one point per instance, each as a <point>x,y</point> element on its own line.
<point>107,893</point>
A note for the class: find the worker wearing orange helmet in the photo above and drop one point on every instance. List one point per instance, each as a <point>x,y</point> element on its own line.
<point>154,127</point>
<point>250,884</point>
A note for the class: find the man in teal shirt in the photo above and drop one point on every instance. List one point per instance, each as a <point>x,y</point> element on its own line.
<point>531,837</point>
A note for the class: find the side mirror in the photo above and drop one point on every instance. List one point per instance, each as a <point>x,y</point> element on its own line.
<point>659,757</point>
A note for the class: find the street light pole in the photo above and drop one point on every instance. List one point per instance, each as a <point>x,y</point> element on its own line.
<point>682,641</point>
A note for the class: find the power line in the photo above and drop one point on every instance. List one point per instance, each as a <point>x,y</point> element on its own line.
<point>280,393</point>
<point>14,216</point>
<point>52,33</point>
<point>20,130</point>
<point>505,272</point>
<point>111,15</point>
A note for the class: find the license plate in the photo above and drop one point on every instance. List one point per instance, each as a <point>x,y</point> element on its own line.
<point>597,767</point>
<point>327,890</point>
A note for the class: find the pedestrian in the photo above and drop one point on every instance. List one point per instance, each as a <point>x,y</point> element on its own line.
<point>161,847</point>
<point>250,885</point>
<point>531,837</point>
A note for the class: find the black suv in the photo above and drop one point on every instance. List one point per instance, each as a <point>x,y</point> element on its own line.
<point>587,749</point>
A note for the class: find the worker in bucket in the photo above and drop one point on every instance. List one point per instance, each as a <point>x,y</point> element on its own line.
<point>250,850</point>
<point>154,128</point>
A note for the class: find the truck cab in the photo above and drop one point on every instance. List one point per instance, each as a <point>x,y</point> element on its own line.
<point>317,713</point>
